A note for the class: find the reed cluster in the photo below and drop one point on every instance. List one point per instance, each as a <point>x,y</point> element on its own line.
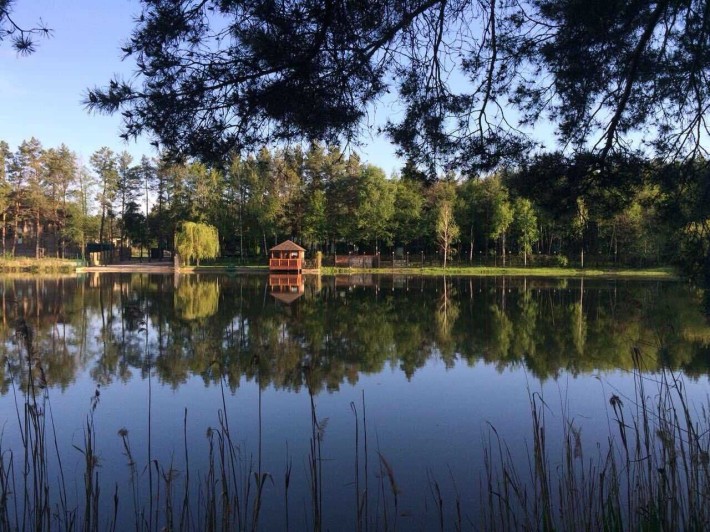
<point>651,473</point>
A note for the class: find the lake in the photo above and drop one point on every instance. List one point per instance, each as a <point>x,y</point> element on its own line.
<point>343,403</point>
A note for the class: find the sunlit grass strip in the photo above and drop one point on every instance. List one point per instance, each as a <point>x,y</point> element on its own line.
<point>487,271</point>
<point>222,268</point>
<point>26,264</point>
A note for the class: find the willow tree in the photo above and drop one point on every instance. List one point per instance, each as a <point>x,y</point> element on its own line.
<point>197,241</point>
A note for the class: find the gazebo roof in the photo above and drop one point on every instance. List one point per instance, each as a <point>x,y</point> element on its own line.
<point>286,297</point>
<point>287,245</point>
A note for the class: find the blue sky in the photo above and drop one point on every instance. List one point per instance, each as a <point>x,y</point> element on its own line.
<point>40,94</point>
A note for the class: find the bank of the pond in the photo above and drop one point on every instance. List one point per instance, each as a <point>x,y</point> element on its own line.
<point>31,265</point>
<point>483,271</point>
<point>166,267</point>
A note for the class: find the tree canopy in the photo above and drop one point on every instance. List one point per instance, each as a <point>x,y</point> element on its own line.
<point>472,76</point>
<point>550,210</point>
<point>197,241</point>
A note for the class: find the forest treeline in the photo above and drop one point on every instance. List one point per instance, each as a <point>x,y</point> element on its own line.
<point>551,209</point>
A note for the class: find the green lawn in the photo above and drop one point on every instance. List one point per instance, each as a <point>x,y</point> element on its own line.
<point>27,264</point>
<point>655,273</point>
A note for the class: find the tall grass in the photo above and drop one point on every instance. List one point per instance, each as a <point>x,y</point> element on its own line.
<point>32,265</point>
<point>30,499</point>
<point>652,472</point>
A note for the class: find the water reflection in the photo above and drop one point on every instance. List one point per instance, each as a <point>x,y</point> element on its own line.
<point>195,298</point>
<point>289,331</point>
<point>286,288</point>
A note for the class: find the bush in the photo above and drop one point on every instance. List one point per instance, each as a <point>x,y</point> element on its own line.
<point>558,261</point>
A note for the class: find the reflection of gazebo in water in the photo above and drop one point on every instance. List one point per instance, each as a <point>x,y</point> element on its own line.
<point>287,257</point>
<point>287,288</point>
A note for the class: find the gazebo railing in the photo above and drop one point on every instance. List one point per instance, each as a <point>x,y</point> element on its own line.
<point>276,280</point>
<point>285,264</point>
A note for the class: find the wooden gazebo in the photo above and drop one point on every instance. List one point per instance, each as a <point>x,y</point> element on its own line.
<point>287,257</point>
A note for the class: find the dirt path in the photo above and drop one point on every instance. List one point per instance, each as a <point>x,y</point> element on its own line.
<point>166,267</point>
<point>131,267</point>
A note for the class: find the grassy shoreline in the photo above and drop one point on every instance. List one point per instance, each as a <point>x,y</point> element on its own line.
<point>32,265</point>
<point>52,265</point>
<point>485,271</point>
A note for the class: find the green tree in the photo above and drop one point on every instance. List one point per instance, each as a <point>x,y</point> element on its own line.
<point>103,161</point>
<point>524,226</point>
<point>406,218</point>
<point>147,176</point>
<point>579,226</point>
<point>470,213</point>
<point>235,194</point>
<point>76,228</point>
<point>341,179</point>
<point>685,210</point>
<point>446,229</point>
<point>80,226</point>
<point>60,175</point>
<point>134,224</point>
<point>127,187</point>
<point>264,206</point>
<point>162,188</point>
<point>29,172</point>
<point>500,211</point>
<point>5,191</point>
<point>375,205</point>
<point>173,202</point>
<point>342,189</point>
<point>197,241</point>
<point>315,225</point>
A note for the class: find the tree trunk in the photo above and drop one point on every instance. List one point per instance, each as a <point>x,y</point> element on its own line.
<point>14,235</point>
<point>122,236</point>
<point>101,227</point>
<point>4,232</point>
<point>470,249</point>
<point>38,232</point>
<point>241,223</point>
<point>503,250</point>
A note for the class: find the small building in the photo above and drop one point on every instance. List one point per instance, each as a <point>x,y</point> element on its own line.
<point>287,257</point>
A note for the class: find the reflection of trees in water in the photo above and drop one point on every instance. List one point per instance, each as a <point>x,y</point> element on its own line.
<point>196,298</point>
<point>445,315</point>
<point>220,326</point>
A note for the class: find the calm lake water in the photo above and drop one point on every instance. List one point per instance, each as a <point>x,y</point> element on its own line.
<point>410,377</point>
